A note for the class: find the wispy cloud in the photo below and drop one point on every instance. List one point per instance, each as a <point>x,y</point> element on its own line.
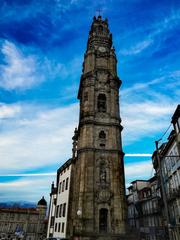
<point>138,170</point>
<point>23,68</point>
<point>31,186</point>
<point>154,37</point>
<point>37,139</point>
<point>145,119</point>
<point>26,189</point>
<point>18,71</point>
<point>28,174</point>
<point>139,47</point>
<point>146,109</point>
<point>8,111</point>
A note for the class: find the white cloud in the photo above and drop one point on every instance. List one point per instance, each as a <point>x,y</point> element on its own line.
<point>163,26</point>
<point>138,170</point>
<point>145,119</point>
<point>26,189</point>
<point>30,187</point>
<point>7,111</point>
<point>137,48</point>
<point>22,70</point>
<point>28,174</point>
<point>19,70</point>
<point>146,110</point>
<point>38,139</point>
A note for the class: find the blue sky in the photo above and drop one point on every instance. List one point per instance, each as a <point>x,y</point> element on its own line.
<point>42,44</point>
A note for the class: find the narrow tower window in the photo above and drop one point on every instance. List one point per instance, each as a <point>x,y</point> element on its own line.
<point>103,220</point>
<point>101,103</point>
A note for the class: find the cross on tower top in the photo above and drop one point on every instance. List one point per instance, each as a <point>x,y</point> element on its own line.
<point>99,12</point>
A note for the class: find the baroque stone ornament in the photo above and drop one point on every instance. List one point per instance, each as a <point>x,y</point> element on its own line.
<point>104,196</point>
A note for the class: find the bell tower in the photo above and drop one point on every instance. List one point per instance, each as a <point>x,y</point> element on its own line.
<point>97,200</point>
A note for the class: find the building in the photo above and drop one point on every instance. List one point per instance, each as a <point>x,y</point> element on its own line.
<point>167,167</point>
<point>144,212</point>
<point>96,205</point>
<point>132,198</point>
<point>24,223</point>
<point>59,202</point>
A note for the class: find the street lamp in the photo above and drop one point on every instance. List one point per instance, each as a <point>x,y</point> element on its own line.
<point>79,212</point>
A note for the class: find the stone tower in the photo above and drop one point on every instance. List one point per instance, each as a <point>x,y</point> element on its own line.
<point>97,200</point>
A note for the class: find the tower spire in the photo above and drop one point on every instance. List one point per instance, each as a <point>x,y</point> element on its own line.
<point>99,34</point>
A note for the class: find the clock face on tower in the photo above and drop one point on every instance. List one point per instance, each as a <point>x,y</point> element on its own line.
<point>102,49</point>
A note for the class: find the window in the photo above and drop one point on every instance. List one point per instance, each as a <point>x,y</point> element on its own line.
<point>67,182</point>
<point>59,227</point>
<point>63,185</point>
<point>60,187</point>
<point>55,227</point>
<point>103,220</point>
<point>60,210</point>
<point>102,138</point>
<point>101,103</point>
<point>64,210</point>
<point>52,221</point>
<point>62,230</point>
<point>102,135</point>
<point>102,145</point>
<point>57,210</point>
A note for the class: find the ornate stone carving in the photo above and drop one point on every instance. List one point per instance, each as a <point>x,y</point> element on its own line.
<point>104,196</point>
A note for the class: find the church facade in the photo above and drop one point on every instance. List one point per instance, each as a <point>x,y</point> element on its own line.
<point>96,197</point>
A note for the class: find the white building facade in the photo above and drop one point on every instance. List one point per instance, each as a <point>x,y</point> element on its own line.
<point>59,202</point>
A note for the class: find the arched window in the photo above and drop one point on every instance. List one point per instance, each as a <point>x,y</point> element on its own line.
<point>101,103</point>
<point>102,135</point>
